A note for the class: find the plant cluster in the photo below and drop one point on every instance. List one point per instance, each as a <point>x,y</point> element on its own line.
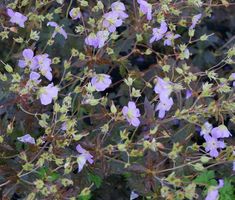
<point>94,89</point>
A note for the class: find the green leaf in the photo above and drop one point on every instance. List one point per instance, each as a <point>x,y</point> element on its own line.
<point>122,70</point>
<point>206,178</point>
<point>85,194</point>
<point>227,192</point>
<point>42,172</point>
<point>53,176</point>
<point>97,180</point>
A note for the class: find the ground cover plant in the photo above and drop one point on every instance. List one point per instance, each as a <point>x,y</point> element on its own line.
<point>130,99</point>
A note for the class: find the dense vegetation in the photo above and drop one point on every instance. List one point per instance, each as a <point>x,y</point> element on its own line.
<point>130,99</point>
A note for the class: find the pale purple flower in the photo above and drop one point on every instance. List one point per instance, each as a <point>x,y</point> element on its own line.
<point>170,37</point>
<point>16,17</point>
<point>133,195</point>
<point>26,139</point>
<point>64,126</point>
<point>48,93</point>
<point>232,78</point>
<point>75,13</point>
<point>97,40</point>
<point>101,81</point>
<point>44,65</point>
<point>158,33</point>
<point>221,183</point>
<point>188,94</point>
<point>163,88</point>
<point>102,37</point>
<point>47,72</point>
<point>111,21</point>
<point>29,60</point>
<point>163,106</point>
<point>83,157</point>
<point>213,194</point>
<point>186,53</point>
<point>34,76</point>
<point>119,8</point>
<point>206,129</point>
<point>131,113</point>
<point>220,132</point>
<point>33,80</point>
<point>58,29</point>
<point>195,20</point>
<point>212,145</point>
<point>145,8</point>
<point>91,40</point>
<point>234,161</point>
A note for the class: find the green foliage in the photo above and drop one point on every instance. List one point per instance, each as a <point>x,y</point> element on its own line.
<point>206,178</point>
<point>97,180</point>
<point>227,192</point>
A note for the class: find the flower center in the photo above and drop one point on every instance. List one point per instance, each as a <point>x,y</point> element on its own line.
<point>130,114</point>
<point>100,78</point>
<point>111,21</point>
<point>29,62</point>
<point>213,144</point>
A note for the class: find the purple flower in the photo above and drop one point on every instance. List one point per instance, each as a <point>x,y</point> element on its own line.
<point>58,29</point>
<point>233,161</point>
<point>220,132</point>
<point>29,60</point>
<point>195,20</point>
<point>43,60</point>
<point>111,21</point>
<point>44,65</point>
<point>163,88</point>
<point>188,94</point>
<point>133,195</point>
<point>213,194</point>
<point>158,33</point>
<point>64,126</point>
<point>48,93</point>
<point>131,113</point>
<point>169,38</point>
<point>101,81</point>
<point>206,129</point>
<point>26,139</point>
<point>16,17</point>
<point>75,13</point>
<point>146,8</point>
<point>119,8</point>
<point>186,53</point>
<point>232,78</point>
<point>102,37</point>
<point>91,40</point>
<point>97,40</point>
<point>34,76</point>
<point>33,80</point>
<point>212,145</point>
<point>83,157</point>
<point>163,106</point>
